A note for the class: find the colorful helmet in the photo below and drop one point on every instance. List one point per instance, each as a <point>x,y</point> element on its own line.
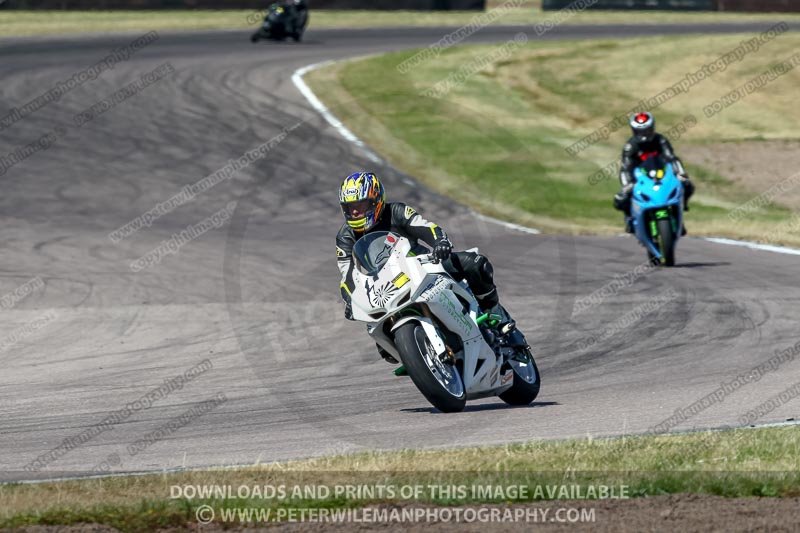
<point>362,198</point>
<point>643,126</point>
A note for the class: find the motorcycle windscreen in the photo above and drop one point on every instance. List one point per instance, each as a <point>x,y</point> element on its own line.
<point>372,251</point>
<point>657,186</point>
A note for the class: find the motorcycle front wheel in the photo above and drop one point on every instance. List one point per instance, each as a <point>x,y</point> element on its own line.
<point>439,381</point>
<point>527,381</point>
<point>666,240</point>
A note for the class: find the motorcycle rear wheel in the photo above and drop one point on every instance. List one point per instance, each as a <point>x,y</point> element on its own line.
<point>439,381</point>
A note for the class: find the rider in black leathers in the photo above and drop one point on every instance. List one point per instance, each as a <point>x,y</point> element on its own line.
<point>365,209</point>
<point>645,143</point>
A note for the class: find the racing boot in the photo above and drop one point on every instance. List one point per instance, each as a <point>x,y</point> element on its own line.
<point>389,358</point>
<point>508,329</point>
<point>628,225</point>
<point>507,324</point>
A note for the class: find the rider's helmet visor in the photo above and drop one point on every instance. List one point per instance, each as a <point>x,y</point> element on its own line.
<point>360,214</point>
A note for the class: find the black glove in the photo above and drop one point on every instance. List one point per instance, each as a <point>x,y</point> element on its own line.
<point>621,200</point>
<point>348,310</point>
<point>442,249</point>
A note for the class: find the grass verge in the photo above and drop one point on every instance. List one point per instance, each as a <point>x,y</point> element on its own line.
<point>497,140</point>
<point>34,23</point>
<point>734,463</point>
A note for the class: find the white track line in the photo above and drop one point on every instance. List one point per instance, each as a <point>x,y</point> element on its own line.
<point>297,79</point>
<point>511,225</point>
<point>305,90</point>
<point>754,245</point>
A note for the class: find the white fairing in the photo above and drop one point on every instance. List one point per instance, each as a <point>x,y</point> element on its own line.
<point>404,281</point>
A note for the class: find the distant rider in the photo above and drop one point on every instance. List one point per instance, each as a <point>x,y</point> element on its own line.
<point>296,9</point>
<point>645,143</point>
<point>363,201</point>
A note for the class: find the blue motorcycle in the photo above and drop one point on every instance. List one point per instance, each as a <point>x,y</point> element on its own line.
<point>657,209</point>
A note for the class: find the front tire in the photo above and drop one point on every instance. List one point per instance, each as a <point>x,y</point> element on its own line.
<point>527,380</point>
<point>440,382</point>
<point>666,241</point>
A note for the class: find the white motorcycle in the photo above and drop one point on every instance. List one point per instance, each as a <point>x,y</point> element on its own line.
<point>452,351</point>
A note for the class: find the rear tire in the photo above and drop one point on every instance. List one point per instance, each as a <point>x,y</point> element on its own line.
<point>666,239</point>
<point>414,348</point>
<point>522,392</point>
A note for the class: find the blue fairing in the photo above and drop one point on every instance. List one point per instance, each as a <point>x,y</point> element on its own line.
<point>652,194</point>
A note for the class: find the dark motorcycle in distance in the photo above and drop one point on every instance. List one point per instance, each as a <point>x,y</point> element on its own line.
<point>282,21</point>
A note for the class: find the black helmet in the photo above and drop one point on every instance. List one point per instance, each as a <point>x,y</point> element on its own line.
<point>643,126</point>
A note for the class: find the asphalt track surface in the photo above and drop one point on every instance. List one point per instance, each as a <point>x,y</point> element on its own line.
<point>258,296</point>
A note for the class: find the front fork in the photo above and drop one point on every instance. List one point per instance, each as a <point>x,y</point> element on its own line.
<point>660,214</point>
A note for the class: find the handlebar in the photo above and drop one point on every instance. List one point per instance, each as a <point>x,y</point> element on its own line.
<point>428,258</point>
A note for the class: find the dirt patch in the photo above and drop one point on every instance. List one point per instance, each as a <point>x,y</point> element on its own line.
<point>683,512</point>
<point>754,165</point>
<point>678,512</point>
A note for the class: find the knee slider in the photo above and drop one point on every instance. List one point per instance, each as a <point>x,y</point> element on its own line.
<point>483,275</point>
<point>485,268</point>
<point>620,201</point>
